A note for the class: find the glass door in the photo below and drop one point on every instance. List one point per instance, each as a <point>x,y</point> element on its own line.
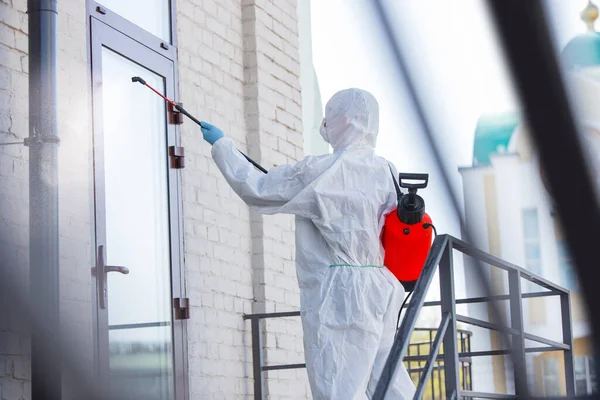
<point>136,216</point>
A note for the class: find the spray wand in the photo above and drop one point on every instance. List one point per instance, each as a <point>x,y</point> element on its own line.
<point>190,116</point>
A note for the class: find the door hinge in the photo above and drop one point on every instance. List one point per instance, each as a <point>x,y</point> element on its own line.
<point>182,308</point>
<point>177,154</point>
<point>175,117</point>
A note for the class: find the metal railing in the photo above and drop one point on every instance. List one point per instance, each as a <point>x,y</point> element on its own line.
<point>257,350</point>
<point>418,351</point>
<point>440,259</point>
<point>258,366</point>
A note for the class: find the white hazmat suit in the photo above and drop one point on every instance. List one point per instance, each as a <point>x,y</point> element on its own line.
<point>349,301</point>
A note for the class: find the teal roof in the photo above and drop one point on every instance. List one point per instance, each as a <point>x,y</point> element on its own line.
<point>582,51</point>
<point>493,132</point>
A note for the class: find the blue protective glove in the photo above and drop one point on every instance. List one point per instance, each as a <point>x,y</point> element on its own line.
<point>210,132</point>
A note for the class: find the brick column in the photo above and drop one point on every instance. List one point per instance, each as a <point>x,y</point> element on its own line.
<point>274,130</point>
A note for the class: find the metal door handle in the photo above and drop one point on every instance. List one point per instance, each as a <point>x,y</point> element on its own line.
<point>101,270</point>
<point>115,268</point>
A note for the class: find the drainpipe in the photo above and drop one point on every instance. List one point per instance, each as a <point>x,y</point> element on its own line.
<point>46,377</point>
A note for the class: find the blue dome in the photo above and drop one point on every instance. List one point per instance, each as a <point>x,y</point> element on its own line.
<point>493,133</point>
<point>582,51</point>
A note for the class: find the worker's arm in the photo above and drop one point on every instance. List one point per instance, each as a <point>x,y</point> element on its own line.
<point>279,191</point>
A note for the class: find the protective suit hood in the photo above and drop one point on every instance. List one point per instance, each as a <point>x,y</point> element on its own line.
<point>351,120</point>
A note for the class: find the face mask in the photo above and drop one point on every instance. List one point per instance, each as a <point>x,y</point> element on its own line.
<point>323,131</point>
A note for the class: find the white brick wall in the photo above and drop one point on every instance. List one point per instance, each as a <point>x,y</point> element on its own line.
<point>239,72</point>
<point>273,115</point>
<point>74,185</point>
<point>238,68</point>
<point>14,217</point>
<point>216,224</point>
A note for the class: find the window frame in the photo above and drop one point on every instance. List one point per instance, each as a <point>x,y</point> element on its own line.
<point>99,18</point>
<point>551,378</point>
<point>128,28</point>
<point>587,375</point>
<point>532,265</point>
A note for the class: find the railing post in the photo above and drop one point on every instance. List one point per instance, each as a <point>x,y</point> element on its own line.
<point>565,308</point>
<point>518,341</point>
<point>470,366</point>
<point>257,359</point>
<point>448,306</point>
<point>432,379</point>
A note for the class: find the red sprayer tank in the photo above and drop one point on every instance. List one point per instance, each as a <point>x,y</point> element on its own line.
<point>407,233</point>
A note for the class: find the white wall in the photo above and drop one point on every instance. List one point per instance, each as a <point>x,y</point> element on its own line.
<point>312,105</point>
<point>14,216</point>
<point>520,186</point>
<point>75,255</point>
<point>236,261</point>
<point>476,223</point>
<point>238,68</point>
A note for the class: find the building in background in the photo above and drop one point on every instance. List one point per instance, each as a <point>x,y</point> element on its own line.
<point>510,213</point>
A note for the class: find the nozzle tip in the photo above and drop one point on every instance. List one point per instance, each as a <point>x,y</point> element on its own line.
<point>138,79</point>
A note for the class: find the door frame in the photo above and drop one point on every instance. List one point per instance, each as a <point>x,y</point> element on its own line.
<point>103,35</point>
<point>98,11</point>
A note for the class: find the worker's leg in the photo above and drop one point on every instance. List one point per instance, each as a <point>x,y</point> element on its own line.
<point>401,387</point>
<point>343,321</point>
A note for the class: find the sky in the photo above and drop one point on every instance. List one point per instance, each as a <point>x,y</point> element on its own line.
<point>459,72</point>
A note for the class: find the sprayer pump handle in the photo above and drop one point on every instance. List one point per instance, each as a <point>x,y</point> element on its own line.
<point>414,177</point>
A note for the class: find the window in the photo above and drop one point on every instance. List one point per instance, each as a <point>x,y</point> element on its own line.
<point>585,375</point>
<point>531,240</point>
<point>550,377</point>
<point>151,15</point>
<point>565,266</point>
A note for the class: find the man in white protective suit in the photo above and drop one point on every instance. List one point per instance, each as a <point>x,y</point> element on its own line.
<point>349,300</point>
